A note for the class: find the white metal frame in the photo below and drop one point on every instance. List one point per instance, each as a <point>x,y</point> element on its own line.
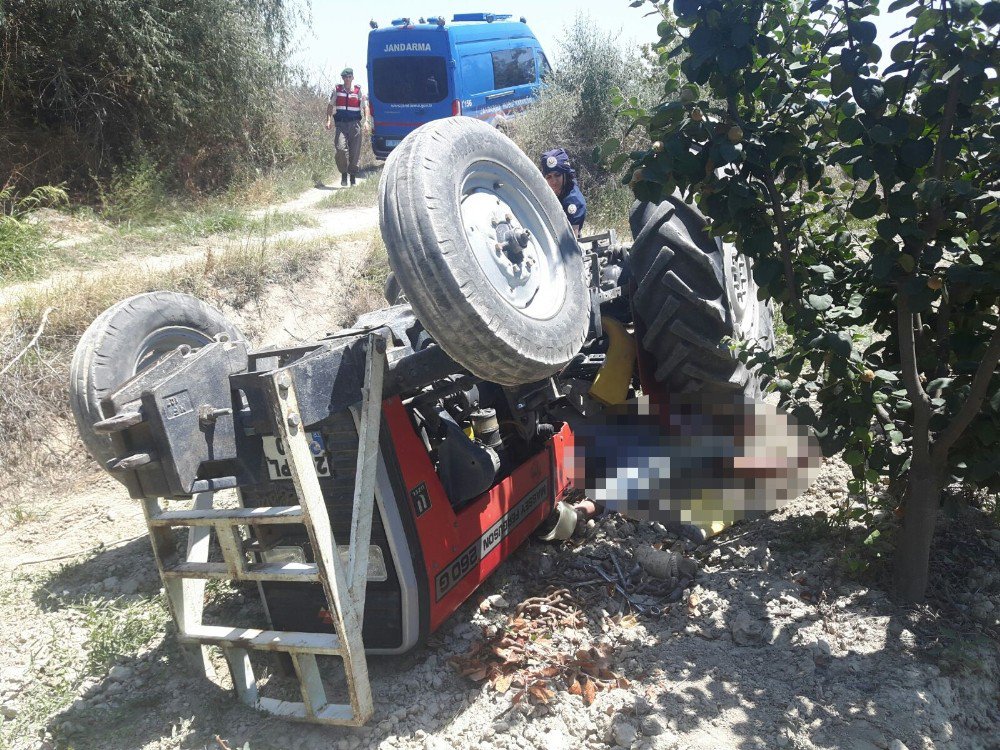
<point>184,582</point>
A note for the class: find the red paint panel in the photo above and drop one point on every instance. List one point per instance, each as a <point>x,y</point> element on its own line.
<point>461,550</point>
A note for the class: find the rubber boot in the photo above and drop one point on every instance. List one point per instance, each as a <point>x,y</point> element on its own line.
<point>343,180</point>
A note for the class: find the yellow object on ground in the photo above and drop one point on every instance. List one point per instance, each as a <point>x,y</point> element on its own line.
<point>613,379</point>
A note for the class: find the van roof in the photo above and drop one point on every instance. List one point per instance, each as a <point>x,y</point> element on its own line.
<point>464,31</point>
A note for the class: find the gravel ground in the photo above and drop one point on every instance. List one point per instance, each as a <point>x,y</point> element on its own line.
<point>769,647</point>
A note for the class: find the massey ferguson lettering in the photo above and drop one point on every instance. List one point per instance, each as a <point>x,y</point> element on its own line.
<point>458,568</point>
<point>408,47</point>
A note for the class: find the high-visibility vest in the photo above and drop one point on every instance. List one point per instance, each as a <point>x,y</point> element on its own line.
<point>347,104</point>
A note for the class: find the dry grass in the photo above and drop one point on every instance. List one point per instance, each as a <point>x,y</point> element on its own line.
<point>38,441</point>
<point>367,292</point>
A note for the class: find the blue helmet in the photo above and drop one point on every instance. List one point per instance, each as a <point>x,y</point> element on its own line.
<point>557,160</point>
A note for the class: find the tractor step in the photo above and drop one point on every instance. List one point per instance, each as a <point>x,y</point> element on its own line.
<point>238,516</point>
<point>264,640</point>
<point>343,580</point>
<point>305,572</point>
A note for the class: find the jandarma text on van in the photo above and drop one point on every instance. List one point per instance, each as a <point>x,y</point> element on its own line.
<point>408,47</point>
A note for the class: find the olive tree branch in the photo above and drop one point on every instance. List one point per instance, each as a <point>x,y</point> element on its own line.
<point>908,353</point>
<point>784,241</point>
<point>980,385</point>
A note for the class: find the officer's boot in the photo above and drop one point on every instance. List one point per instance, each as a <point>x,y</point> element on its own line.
<point>343,180</point>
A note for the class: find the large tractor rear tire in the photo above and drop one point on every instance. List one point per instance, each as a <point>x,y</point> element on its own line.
<point>692,293</point>
<point>480,247</point>
<point>126,339</point>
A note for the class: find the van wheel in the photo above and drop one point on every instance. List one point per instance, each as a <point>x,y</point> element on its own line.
<point>126,339</point>
<point>483,252</point>
<point>692,294</point>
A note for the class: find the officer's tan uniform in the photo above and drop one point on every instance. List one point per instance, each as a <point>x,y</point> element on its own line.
<point>347,110</point>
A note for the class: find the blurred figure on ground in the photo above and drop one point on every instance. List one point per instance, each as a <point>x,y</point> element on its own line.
<point>696,465</point>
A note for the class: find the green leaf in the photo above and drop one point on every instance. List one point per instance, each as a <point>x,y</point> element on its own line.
<point>902,206</point>
<point>906,262</point>
<point>853,458</point>
<point>865,209</point>
<point>872,538</point>
<point>850,130</point>
<point>895,437</point>
<point>841,344</point>
<point>869,94</point>
<point>820,302</point>
<point>741,34</point>
<point>901,51</point>
<point>990,14</point>
<point>938,383</point>
<point>916,152</point>
<point>825,271</point>
<point>618,162</point>
<point>840,80</point>
<point>925,21</point>
<point>863,32</point>
<point>888,377</point>
<point>880,134</point>
<point>610,146</point>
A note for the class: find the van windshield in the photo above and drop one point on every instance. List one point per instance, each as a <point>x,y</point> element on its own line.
<point>409,80</point>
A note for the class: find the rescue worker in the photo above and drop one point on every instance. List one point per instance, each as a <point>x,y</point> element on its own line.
<point>347,110</point>
<point>562,179</point>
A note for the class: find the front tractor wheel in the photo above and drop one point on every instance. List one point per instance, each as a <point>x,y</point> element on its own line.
<point>482,251</point>
<point>692,294</point>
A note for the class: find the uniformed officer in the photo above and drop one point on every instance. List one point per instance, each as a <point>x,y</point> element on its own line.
<point>562,179</point>
<point>347,110</point>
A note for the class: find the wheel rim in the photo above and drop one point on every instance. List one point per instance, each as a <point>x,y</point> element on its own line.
<point>163,341</point>
<point>508,231</point>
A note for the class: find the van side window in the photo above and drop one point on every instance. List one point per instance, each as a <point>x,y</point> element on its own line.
<point>477,73</point>
<point>546,68</point>
<point>513,67</point>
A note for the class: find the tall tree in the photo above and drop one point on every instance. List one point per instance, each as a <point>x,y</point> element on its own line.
<point>866,191</point>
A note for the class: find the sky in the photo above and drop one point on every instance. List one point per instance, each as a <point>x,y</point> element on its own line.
<point>337,36</point>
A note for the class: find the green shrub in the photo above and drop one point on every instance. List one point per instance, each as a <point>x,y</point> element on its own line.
<point>21,246</point>
<point>135,193</point>
<point>191,86</point>
<point>575,111</point>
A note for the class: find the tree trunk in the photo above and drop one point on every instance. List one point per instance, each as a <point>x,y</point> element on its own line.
<point>914,545</point>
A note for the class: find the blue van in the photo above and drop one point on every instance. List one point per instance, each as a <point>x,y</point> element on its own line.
<point>479,65</point>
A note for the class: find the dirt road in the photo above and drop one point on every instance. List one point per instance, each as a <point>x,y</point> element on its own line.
<point>325,224</point>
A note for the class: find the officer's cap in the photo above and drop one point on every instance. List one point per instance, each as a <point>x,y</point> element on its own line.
<point>556,160</point>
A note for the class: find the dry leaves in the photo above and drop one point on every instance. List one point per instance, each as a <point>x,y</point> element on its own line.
<point>521,655</point>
